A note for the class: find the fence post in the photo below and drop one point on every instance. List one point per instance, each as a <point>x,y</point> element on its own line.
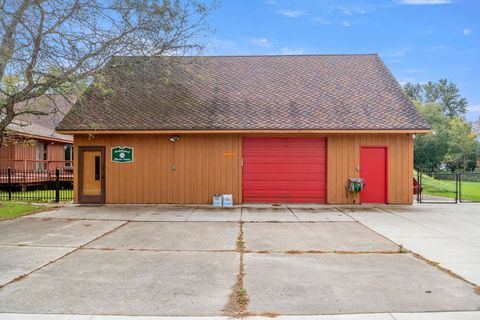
<point>457,189</point>
<point>419,189</point>
<point>57,185</point>
<point>460,187</point>
<point>9,184</point>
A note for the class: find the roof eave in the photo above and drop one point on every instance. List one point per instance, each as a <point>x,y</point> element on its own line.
<point>246,131</point>
<point>39,137</point>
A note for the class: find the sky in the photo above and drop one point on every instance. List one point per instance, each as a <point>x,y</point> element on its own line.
<point>419,40</point>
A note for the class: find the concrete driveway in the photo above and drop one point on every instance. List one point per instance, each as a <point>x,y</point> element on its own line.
<point>203,261</point>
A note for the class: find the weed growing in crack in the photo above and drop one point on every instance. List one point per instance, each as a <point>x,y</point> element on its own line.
<point>240,245</point>
<point>242,297</point>
<point>238,302</point>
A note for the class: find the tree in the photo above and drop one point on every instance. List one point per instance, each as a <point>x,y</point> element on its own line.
<point>414,91</point>
<point>443,92</point>
<point>430,149</point>
<point>52,46</point>
<point>462,146</point>
<point>452,143</point>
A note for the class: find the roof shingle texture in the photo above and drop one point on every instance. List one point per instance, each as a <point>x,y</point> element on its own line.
<point>316,92</point>
<point>55,105</point>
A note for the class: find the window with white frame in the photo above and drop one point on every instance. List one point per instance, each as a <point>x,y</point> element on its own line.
<point>68,156</point>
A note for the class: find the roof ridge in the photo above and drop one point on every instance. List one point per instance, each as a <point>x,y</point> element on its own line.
<point>255,55</point>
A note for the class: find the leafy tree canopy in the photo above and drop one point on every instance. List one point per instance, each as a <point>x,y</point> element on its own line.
<point>444,92</point>
<point>451,145</point>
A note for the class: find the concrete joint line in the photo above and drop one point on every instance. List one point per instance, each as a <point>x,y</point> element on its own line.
<point>322,252</point>
<point>434,264</point>
<point>80,219</point>
<point>405,218</point>
<point>75,249</point>
<point>191,213</point>
<point>157,250</point>
<point>237,305</point>
<point>423,225</point>
<point>377,233</point>
<point>293,213</point>
<point>34,245</point>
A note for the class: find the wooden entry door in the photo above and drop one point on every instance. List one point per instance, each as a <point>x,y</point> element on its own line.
<point>91,177</point>
<point>373,169</point>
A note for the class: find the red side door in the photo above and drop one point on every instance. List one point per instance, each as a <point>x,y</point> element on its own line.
<point>373,169</point>
<point>284,169</point>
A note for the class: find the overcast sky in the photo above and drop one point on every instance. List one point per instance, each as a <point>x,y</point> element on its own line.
<point>420,40</point>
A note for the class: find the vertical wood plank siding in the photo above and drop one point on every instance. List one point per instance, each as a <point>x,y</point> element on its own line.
<point>205,165</point>
<point>27,151</point>
<point>209,164</point>
<point>344,157</point>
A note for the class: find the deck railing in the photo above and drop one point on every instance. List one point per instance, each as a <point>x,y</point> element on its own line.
<point>27,164</point>
<point>36,185</point>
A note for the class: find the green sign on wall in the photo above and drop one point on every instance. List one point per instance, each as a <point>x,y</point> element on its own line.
<point>122,154</point>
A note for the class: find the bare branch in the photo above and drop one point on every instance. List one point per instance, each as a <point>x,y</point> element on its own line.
<point>7,46</point>
<point>56,46</point>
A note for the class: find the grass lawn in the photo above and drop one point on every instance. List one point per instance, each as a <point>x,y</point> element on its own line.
<point>12,210</point>
<point>470,190</point>
<point>38,195</point>
<point>446,188</point>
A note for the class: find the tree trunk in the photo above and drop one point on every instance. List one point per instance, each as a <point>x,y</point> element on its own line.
<point>9,116</point>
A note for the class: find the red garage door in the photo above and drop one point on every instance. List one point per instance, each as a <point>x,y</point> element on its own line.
<point>284,170</point>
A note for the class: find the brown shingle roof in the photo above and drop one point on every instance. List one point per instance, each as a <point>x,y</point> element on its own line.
<point>245,92</point>
<point>43,125</point>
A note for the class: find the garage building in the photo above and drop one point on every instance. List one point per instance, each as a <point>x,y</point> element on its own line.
<point>281,129</point>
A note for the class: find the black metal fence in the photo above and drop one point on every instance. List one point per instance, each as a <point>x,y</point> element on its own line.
<point>443,187</point>
<point>36,185</point>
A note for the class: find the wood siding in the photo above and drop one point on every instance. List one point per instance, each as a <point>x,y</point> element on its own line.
<point>344,158</point>
<point>22,156</point>
<point>209,164</point>
<point>205,165</point>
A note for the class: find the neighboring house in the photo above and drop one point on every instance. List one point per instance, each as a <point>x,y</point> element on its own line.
<point>262,128</point>
<point>32,143</point>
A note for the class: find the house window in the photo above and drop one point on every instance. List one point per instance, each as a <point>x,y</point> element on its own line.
<point>41,155</point>
<point>68,156</point>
